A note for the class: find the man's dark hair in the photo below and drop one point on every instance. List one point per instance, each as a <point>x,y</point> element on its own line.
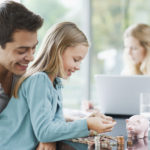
<point>15,16</point>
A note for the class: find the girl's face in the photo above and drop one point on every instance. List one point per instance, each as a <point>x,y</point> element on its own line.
<point>135,49</point>
<point>72,58</point>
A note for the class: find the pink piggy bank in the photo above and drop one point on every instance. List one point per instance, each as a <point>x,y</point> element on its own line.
<point>137,126</point>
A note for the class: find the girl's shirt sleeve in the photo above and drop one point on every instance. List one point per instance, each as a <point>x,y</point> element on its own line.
<point>44,103</point>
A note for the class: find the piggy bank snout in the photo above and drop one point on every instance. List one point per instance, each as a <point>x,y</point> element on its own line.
<point>130,127</point>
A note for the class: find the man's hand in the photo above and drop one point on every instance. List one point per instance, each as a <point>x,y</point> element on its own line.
<point>46,146</point>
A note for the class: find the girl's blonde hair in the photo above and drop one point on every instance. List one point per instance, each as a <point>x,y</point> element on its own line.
<point>142,33</point>
<point>49,57</point>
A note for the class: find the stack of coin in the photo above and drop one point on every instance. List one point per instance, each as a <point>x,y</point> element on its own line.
<point>106,145</point>
<point>120,140</point>
<point>97,142</point>
<point>120,147</point>
<point>129,142</point>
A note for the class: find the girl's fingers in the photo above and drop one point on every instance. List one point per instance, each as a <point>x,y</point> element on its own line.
<point>109,118</point>
<point>106,121</point>
<point>98,114</point>
<point>108,130</point>
<point>109,125</point>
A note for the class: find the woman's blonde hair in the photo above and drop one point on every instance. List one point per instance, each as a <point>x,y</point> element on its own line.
<point>49,57</point>
<point>142,33</point>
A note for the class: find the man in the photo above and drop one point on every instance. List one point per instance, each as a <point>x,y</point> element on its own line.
<point>18,40</point>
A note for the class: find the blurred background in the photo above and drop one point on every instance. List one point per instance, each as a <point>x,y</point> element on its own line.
<point>103,22</point>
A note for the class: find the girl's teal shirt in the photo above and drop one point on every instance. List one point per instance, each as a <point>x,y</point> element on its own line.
<point>36,116</point>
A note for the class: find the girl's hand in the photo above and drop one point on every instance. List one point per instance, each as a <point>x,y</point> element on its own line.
<point>46,146</point>
<point>98,114</point>
<point>100,125</point>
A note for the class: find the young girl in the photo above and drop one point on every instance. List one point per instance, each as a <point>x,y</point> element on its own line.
<point>35,112</point>
<point>137,50</point>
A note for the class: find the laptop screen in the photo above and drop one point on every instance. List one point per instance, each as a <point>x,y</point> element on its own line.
<point>120,95</point>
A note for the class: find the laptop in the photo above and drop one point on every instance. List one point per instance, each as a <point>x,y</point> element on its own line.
<point>120,95</point>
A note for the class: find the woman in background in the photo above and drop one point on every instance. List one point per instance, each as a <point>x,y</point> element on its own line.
<point>137,50</point>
